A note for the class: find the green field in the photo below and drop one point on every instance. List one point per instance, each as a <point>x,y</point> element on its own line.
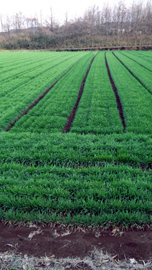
<point>99,172</point>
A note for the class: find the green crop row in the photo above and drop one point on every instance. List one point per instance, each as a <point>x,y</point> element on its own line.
<point>136,100</point>
<point>25,69</point>
<point>96,174</point>
<point>139,59</point>
<point>34,72</point>
<point>10,60</point>
<point>73,150</point>
<point>19,97</point>
<point>96,194</point>
<point>97,111</point>
<point>143,75</point>
<point>146,55</point>
<point>51,113</point>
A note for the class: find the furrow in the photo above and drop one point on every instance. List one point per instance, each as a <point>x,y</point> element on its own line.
<point>73,112</point>
<point>132,73</point>
<point>34,77</point>
<point>37,100</point>
<point>119,105</point>
<point>136,62</point>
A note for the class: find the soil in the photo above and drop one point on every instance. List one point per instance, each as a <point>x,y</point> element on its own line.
<point>119,105</point>
<point>11,125</point>
<point>73,112</point>
<point>132,74</point>
<point>59,242</point>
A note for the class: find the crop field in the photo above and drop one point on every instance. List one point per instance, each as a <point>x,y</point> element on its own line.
<point>76,137</point>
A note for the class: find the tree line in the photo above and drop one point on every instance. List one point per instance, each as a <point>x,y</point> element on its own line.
<point>107,27</point>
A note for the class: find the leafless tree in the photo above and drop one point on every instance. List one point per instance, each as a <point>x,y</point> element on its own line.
<point>1,21</point>
<point>137,12</point>
<point>18,21</point>
<point>148,17</point>
<point>107,16</point>
<point>7,25</point>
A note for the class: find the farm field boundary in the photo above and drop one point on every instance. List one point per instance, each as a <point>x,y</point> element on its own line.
<point>110,48</point>
<point>77,247</point>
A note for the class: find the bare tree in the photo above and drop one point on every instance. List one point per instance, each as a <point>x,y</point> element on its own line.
<point>148,17</point>
<point>18,21</point>
<point>120,16</point>
<point>51,19</point>
<point>107,15</point>
<point>66,18</point>
<point>137,12</point>
<point>41,18</point>
<point>1,21</point>
<point>7,25</point>
<point>50,22</point>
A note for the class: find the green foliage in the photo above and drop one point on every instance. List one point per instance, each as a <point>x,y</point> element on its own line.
<point>136,100</point>
<point>95,174</point>
<point>51,113</point>
<point>97,112</point>
<point>22,85</point>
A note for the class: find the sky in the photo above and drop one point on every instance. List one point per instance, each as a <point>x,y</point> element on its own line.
<point>32,8</point>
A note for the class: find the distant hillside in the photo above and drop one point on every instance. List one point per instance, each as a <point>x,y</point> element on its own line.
<point>106,28</point>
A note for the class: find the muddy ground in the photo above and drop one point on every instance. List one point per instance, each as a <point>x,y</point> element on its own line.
<point>60,247</point>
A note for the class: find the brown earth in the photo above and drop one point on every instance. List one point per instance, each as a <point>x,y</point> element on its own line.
<point>119,105</point>
<point>73,112</point>
<point>65,241</point>
<point>37,100</point>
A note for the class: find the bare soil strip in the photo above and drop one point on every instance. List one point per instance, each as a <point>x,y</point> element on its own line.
<point>119,105</point>
<point>85,247</point>
<point>132,74</point>
<point>73,112</point>
<point>38,99</point>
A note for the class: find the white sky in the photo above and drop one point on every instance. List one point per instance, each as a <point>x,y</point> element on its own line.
<point>31,8</point>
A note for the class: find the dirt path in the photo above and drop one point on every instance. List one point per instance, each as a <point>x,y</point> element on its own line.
<point>73,248</point>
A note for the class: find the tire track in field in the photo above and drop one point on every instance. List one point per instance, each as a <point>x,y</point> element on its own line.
<point>119,105</point>
<point>68,125</point>
<point>38,99</point>
<point>132,74</point>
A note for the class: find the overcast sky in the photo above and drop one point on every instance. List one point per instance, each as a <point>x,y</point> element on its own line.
<point>32,8</point>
